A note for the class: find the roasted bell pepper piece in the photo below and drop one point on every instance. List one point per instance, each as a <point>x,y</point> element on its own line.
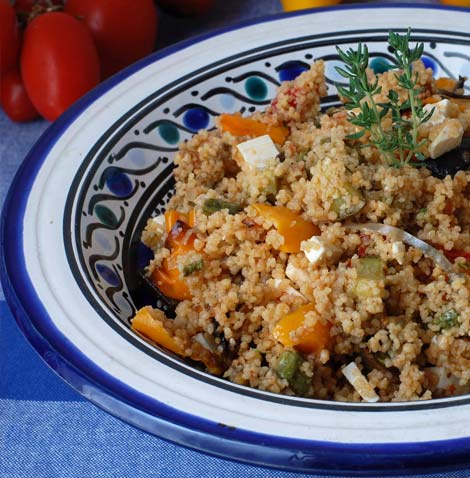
<point>149,322</point>
<point>171,216</point>
<point>168,278</point>
<point>289,224</point>
<point>447,84</point>
<point>312,339</point>
<point>239,126</point>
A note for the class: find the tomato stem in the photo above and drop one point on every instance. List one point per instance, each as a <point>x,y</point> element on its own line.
<point>41,9</point>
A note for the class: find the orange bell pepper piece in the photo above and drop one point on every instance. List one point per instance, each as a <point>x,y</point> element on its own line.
<point>171,216</point>
<point>447,84</point>
<point>167,279</point>
<point>239,126</point>
<point>289,224</point>
<point>148,322</point>
<point>430,100</point>
<point>180,240</point>
<point>311,340</point>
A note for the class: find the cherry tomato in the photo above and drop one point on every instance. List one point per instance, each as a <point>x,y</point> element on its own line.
<point>124,30</point>
<point>59,62</point>
<point>9,37</point>
<point>186,7</point>
<point>15,100</point>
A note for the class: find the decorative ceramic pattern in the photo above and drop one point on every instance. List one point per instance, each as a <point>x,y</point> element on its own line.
<point>133,179</point>
<point>70,235</point>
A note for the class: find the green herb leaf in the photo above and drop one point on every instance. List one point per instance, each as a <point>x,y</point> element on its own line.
<point>357,135</point>
<point>399,143</point>
<point>447,320</point>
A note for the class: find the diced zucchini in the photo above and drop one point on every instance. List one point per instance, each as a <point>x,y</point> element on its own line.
<point>213,205</point>
<point>300,383</point>
<point>289,364</point>
<point>350,203</point>
<point>370,267</point>
<point>288,367</point>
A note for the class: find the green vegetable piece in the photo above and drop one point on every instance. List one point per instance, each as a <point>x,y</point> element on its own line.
<point>288,367</point>
<point>349,204</point>
<point>289,364</point>
<point>370,267</point>
<point>448,319</point>
<point>300,383</point>
<point>213,205</point>
<point>193,267</point>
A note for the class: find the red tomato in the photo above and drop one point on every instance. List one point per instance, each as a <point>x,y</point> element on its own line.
<point>186,7</point>
<point>15,100</point>
<point>9,37</point>
<point>59,62</point>
<point>124,30</point>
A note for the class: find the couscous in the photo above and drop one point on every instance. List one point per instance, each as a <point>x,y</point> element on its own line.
<point>306,260</point>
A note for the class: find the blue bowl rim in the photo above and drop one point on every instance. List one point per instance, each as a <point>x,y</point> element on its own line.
<point>149,414</point>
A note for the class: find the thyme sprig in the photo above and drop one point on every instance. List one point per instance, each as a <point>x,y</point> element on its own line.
<point>398,143</point>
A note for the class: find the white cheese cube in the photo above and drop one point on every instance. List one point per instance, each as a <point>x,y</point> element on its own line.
<point>314,249</point>
<point>289,290</point>
<point>360,383</point>
<point>441,111</point>
<point>297,275</point>
<point>160,219</point>
<point>445,378</point>
<point>258,152</point>
<point>449,137</point>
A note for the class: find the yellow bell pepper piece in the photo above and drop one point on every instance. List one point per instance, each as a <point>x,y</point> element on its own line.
<point>148,322</point>
<point>291,5</point>
<point>239,126</point>
<point>289,224</point>
<point>312,340</point>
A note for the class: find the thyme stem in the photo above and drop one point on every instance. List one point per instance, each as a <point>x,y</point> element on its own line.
<point>400,143</point>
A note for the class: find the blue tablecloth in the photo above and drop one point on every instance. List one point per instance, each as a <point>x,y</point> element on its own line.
<point>47,430</point>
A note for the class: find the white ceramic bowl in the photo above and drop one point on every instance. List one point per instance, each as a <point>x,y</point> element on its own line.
<point>74,214</point>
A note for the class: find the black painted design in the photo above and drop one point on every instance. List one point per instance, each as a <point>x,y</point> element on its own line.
<point>132,211</point>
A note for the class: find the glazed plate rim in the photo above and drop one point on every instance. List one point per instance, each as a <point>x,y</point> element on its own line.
<point>148,413</point>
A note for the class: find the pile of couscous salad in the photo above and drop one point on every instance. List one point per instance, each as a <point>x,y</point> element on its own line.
<point>314,253</point>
